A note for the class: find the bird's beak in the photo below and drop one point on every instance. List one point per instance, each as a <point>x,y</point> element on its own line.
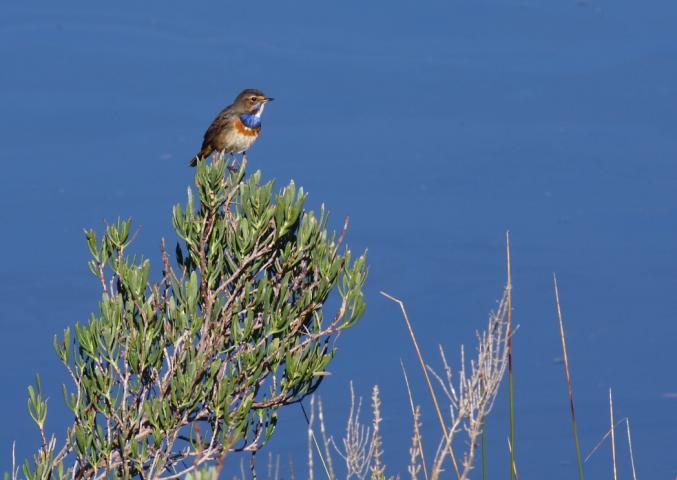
<point>268,99</point>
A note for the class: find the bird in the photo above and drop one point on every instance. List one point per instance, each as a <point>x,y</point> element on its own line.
<point>236,128</point>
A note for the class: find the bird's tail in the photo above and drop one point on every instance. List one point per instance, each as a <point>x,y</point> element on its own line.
<point>204,153</point>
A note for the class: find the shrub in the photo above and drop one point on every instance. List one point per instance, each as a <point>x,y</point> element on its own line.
<point>172,376</point>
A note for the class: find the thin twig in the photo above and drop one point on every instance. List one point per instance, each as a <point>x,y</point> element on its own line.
<point>511,389</point>
<point>377,468</point>
<point>632,455</point>
<point>361,446</point>
<point>484,450</point>
<point>252,465</point>
<point>311,435</point>
<point>601,441</point>
<point>513,467</point>
<point>346,224</point>
<point>15,469</point>
<point>325,438</point>
<point>427,378</point>
<point>613,437</point>
<point>568,378</point>
<point>417,434</point>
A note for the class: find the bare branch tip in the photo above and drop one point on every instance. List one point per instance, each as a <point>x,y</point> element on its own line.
<point>390,297</point>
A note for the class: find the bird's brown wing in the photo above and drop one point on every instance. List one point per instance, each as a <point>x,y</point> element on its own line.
<point>211,142</point>
<point>220,123</point>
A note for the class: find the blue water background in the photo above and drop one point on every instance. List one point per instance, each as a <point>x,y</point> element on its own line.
<point>437,126</point>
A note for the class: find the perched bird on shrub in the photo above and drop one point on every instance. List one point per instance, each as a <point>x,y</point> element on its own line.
<point>236,128</point>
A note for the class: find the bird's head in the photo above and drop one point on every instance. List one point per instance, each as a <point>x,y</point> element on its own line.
<point>251,101</point>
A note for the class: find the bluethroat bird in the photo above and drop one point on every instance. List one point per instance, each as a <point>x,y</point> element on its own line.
<point>236,128</point>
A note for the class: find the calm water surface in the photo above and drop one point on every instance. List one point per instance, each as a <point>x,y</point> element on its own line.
<point>437,126</point>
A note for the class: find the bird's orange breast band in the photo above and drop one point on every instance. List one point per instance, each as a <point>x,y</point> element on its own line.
<point>245,130</point>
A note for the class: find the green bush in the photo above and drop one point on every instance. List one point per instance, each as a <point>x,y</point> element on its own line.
<point>174,375</point>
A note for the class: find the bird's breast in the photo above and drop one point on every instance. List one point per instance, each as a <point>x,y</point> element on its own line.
<point>236,137</point>
<point>243,129</point>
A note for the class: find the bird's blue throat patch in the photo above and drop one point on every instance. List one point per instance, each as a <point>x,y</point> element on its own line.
<point>250,120</point>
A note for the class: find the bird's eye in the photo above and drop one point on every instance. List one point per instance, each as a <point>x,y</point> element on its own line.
<point>253,99</point>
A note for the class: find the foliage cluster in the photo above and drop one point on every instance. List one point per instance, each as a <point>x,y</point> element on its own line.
<point>171,376</point>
